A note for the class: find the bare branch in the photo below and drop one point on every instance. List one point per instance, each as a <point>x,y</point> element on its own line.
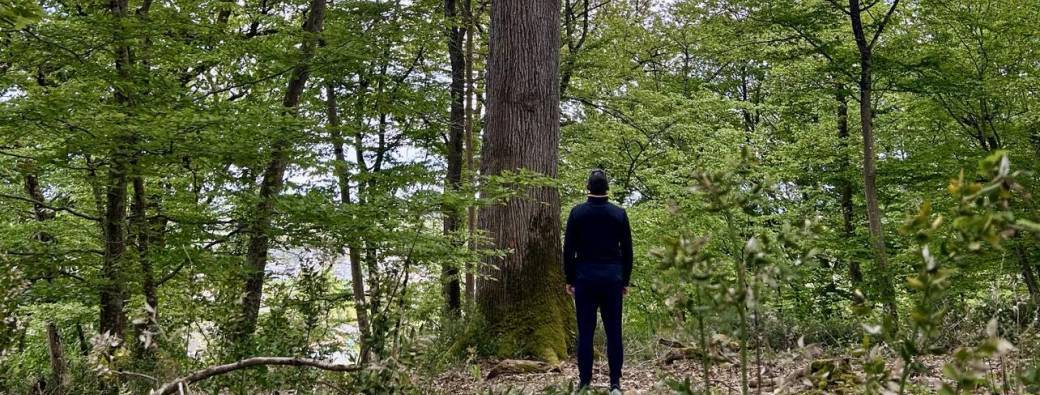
<point>135,374</point>
<point>172,386</point>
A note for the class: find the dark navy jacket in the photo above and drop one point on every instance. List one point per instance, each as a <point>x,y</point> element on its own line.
<point>597,246</point>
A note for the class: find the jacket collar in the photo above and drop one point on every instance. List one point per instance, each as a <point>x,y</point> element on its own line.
<point>597,199</point>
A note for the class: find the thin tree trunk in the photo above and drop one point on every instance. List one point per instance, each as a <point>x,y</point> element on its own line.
<point>576,30</point>
<point>521,294</point>
<point>112,316</point>
<point>848,227</point>
<point>57,356</point>
<point>274,180</point>
<point>1028,275</point>
<point>471,210</point>
<point>866,112</point>
<point>142,234</point>
<point>342,175</point>
<point>54,348</point>
<point>456,133</point>
<point>84,347</point>
<point>366,253</point>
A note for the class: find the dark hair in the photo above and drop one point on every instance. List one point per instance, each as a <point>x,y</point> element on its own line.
<point>598,183</point>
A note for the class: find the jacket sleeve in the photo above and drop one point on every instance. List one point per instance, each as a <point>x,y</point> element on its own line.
<point>626,249</point>
<point>569,252</point>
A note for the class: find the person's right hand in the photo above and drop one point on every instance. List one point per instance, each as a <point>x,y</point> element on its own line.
<point>570,289</point>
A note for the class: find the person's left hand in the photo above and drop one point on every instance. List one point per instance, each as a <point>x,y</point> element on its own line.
<point>624,291</point>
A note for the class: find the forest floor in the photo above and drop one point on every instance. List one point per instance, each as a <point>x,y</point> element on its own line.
<point>806,370</point>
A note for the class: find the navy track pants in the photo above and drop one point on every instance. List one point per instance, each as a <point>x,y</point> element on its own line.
<point>607,299</point>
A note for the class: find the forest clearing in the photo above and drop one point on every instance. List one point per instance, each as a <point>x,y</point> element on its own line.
<point>439,196</point>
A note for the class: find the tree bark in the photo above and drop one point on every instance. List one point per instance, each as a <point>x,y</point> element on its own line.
<point>57,356</point>
<point>847,214</point>
<point>273,181</point>
<point>1028,274</point>
<point>112,316</point>
<point>521,294</point>
<point>343,177</point>
<point>866,115</point>
<point>456,133</point>
<point>142,235</point>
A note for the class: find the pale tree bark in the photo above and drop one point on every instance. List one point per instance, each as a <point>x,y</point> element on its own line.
<point>273,181</point>
<point>357,281</point>
<point>866,45</point>
<point>454,144</point>
<point>521,294</point>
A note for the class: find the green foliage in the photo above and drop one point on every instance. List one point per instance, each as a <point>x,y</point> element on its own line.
<point>18,14</point>
<point>729,129</point>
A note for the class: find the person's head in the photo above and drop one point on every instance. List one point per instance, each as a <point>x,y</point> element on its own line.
<point>598,183</point>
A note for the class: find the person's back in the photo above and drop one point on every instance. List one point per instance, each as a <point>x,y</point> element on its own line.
<point>598,264</point>
<point>598,245</point>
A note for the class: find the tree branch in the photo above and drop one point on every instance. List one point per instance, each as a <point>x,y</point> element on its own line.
<point>49,207</point>
<point>839,6</point>
<point>884,21</point>
<point>172,386</point>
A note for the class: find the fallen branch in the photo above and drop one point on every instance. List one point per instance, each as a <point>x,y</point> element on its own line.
<point>670,343</point>
<point>171,387</point>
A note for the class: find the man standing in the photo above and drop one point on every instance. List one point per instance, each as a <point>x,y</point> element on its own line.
<point>597,259</point>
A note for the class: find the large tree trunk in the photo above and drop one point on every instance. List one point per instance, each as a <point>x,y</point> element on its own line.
<point>273,181</point>
<point>343,177</point>
<point>848,227</point>
<point>866,116</point>
<point>521,294</point>
<point>456,132</point>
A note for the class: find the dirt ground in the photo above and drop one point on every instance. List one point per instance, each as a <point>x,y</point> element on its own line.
<point>784,373</point>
